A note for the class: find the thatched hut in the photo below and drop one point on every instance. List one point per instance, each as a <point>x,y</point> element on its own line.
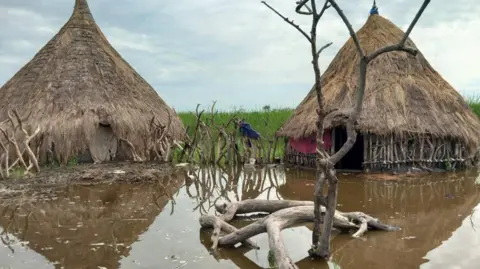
<point>411,116</point>
<point>85,97</point>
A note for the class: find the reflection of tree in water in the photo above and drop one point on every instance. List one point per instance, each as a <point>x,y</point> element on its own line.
<point>237,256</point>
<point>88,226</point>
<point>209,184</point>
<point>428,208</point>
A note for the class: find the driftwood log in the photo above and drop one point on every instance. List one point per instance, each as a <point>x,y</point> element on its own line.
<point>281,214</point>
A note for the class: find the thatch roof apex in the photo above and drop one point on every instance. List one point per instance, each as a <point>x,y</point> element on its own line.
<point>81,15</point>
<point>81,7</point>
<point>404,93</point>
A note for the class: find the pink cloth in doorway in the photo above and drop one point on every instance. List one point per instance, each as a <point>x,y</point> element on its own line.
<point>308,144</point>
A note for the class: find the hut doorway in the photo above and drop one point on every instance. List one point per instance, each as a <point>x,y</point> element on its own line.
<point>103,146</point>
<point>354,158</point>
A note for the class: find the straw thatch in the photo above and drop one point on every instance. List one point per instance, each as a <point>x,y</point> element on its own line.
<point>403,95</point>
<point>81,92</point>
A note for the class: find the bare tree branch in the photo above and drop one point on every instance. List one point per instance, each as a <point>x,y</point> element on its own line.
<point>390,48</point>
<point>324,47</point>
<point>349,26</point>
<point>347,146</point>
<point>26,142</point>
<point>325,7</point>
<point>303,3</point>
<point>415,20</point>
<point>316,66</point>
<point>289,22</point>
<point>136,157</point>
<point>401,44</point>
<point>19,150</point>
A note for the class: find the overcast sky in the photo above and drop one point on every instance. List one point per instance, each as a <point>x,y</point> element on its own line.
<point>238,52</point>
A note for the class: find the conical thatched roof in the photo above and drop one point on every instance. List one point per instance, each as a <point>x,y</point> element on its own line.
<point>403,94</point>
<point>77,82</point>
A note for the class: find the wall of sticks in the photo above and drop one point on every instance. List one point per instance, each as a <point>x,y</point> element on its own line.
<point>298,158</point>
<point>392,152</point>
<point>425,151</point>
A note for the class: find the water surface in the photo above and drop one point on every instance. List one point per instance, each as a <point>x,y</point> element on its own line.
<point>156,225</point>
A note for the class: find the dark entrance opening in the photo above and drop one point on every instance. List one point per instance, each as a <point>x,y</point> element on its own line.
<point>354,158</point>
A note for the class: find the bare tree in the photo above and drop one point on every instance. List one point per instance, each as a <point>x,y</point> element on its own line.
<point>287,213</point>
<point>325,169</point>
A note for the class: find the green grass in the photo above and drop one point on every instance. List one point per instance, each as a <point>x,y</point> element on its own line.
<point>266,121</point>
<point>474,104</point>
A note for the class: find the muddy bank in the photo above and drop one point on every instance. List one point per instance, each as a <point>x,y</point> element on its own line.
<point>50,179</point>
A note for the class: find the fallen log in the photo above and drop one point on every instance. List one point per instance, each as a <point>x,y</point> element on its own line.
<point>282,214</point>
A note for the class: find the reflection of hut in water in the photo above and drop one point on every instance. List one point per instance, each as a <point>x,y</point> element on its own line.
<point>85,97</point>
<point>90,226</point>
<point>411,116</point>
<point>428,210</point>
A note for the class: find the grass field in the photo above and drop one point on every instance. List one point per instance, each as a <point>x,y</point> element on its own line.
<point>474,104</point>
<point>267,121</point>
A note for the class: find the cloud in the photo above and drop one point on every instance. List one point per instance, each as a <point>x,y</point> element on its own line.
<point>6,59</point>
<point>125,40</point>
<point>238,52</point>
<point>455,53</point>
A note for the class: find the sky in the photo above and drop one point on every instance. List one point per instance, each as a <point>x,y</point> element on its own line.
<point>239,53</point>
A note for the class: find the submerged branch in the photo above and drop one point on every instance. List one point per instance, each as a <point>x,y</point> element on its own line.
<point>208,221</point>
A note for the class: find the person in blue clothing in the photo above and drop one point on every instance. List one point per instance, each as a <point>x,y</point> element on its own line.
<point>248,133</point>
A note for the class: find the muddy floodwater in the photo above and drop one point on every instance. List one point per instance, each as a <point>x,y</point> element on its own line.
<point>155,225</point>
